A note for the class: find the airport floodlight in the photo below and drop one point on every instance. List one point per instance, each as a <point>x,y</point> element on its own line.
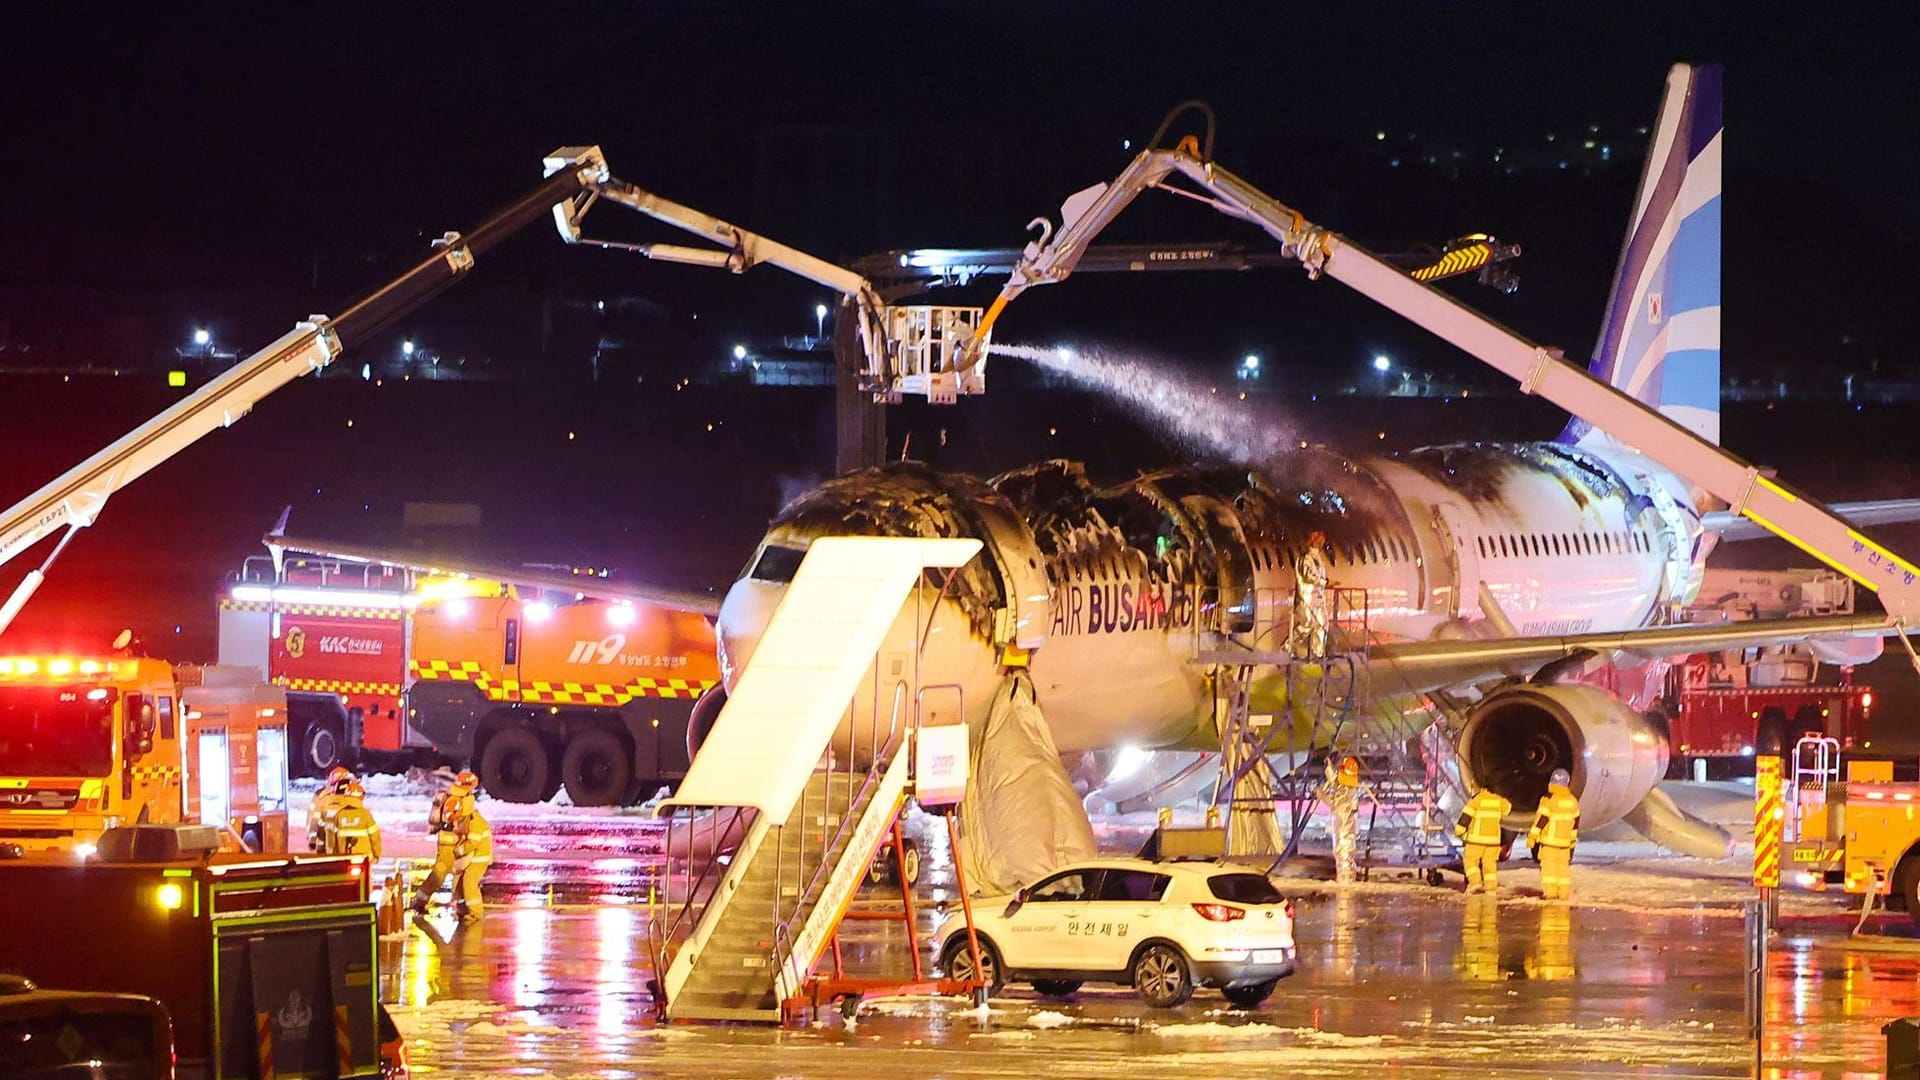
<point>819,320</point>
<point>1382,362</point>
<point>406,347</point>
<point>202,337</point>
<point>1252,362</point>
<point>739,352</point>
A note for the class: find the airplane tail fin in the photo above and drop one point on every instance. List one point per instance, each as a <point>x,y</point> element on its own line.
<point>1660,341</point>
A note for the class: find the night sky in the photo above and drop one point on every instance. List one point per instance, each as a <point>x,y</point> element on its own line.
<point>240,166</point>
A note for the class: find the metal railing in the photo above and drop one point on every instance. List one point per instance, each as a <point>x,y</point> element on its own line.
<point>806,892</point>
<point>665,935</point>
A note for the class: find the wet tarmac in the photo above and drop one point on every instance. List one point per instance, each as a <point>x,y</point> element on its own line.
<point>1394,980</point>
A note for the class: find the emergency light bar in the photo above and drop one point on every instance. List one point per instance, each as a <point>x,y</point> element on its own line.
<point>56,666</point>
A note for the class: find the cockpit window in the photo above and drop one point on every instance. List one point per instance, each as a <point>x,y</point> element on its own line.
<point>777,564</point>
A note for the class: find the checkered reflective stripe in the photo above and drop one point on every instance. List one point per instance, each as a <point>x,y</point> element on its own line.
<point>333,610</point>
<point>445,671</point>
<point>154,772</point>
<point>543,692</point>
<point>341,686</point>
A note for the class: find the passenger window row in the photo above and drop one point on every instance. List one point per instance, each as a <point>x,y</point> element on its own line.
<point>1539,545</point>
<point>1371,549</point>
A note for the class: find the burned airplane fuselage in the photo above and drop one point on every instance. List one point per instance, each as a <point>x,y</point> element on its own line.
<point>1109,592</point>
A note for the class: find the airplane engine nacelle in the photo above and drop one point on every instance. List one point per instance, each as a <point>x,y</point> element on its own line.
<point>1514,740</point>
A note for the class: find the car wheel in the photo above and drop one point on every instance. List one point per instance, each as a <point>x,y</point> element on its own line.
<point>515,766</point>
<point>597,768</point>
<point>957,961</point>
<point>879,870</point>
<point>1055,987</point>
<point>1250,995</point>
<point>1160,974</point>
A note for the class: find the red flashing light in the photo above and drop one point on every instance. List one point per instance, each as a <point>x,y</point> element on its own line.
<point>1220,912</point>
<point>1866,700</point>
<point>1288,908</point>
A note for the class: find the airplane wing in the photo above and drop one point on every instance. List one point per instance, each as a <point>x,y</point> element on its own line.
<point>1732,527</point>
<point>434,563</point>
<point>1434,665</point>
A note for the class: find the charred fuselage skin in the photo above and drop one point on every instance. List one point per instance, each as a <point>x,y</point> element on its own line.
<point>1108,592</point>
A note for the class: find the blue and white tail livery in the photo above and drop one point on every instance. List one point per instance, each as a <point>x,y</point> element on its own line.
<point>1660,341</point>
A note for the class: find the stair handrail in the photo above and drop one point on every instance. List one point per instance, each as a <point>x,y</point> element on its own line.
<point>664,934</point>
<point>782,961</point>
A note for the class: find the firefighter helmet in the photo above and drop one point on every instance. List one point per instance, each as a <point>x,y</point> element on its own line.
<point>338,775</point>
<point>1350,771</point>
<point>1560,778</point>
<point>353,789</point>
<point>467,780</point>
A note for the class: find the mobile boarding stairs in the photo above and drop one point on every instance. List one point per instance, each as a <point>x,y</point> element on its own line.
<point>740,938</point>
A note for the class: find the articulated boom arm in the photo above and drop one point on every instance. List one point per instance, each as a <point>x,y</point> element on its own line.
<point>903,349</point>
<point>73,501</point>
<point>1796,518</point>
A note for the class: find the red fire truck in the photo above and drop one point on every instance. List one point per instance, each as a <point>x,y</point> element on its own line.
<point>1723,709</point>
<point>335,635</point>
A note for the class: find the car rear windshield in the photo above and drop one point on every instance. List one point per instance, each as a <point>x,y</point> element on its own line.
<point>49,1043</point>
<point>1244,889</point>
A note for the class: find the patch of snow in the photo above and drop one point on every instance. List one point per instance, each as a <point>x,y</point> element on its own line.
<point>1047,1018</point>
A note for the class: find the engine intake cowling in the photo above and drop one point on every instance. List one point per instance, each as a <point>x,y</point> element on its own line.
<point>1514,740</point>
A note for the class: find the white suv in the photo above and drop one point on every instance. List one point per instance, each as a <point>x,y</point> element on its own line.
<point>1164,927</point>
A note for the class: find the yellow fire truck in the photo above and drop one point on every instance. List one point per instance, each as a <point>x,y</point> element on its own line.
<point>90,743</point>
<point>1862,833</point>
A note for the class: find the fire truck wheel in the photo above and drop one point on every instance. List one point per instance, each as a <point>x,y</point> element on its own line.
<point>597,768</point>
<point>515,766</point>
<point>321,749</point>
<point>1906,884</point>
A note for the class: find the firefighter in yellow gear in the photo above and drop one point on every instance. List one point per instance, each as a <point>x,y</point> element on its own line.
<point>1479,827</point>
<point>354,832</point>
<point>322,806</point>
<point>473,854</point>
<point>1556,828</point>
<point>440,822</point>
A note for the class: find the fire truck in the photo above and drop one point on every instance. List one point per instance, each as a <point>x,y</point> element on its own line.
<point>534,682</point>
<point>90,743</point>
<point>1724,708</point>
<point>266,964</point>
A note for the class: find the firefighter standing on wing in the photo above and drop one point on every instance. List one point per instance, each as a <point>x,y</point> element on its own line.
<point>322,807</point>
<point>1307,637</point>
<point>473,854</point>
<point>1479,827</point>
<point>1341,792</point>
<point>440,824</point>
<point>1556,828</point>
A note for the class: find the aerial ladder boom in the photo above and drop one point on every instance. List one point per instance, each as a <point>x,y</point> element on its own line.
<point>898,273</point>
<point>74,500</point>
<point>904,350</point>
<point>1541,371</point>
